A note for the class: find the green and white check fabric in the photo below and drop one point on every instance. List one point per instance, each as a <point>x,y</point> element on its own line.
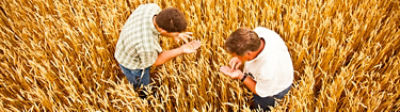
<point>138,44</point>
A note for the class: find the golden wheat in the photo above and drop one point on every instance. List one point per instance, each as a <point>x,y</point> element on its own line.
<point>58,55</point>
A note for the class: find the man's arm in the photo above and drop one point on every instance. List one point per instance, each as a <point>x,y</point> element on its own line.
<point>167,55</point>
<point>250,83</point>
<point>238,74</point>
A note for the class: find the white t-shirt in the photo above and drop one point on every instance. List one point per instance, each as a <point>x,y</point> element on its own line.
<point>272,68</point>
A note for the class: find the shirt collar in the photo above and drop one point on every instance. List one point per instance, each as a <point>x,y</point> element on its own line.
<point>152,27</point>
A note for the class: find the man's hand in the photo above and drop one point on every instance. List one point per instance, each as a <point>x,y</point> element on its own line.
<point>183,36</point>
<point>190,47</point>
<point>235,63</point>
<point>233,73</point>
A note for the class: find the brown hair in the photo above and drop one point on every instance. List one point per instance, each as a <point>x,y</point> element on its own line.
<point>242,40</point>
<point>171,20</point>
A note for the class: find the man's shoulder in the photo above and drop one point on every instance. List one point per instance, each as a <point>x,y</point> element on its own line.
<point>263,32</point>
<point>262,29</point>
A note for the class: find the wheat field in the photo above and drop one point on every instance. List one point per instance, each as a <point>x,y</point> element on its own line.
<point>58,55</point>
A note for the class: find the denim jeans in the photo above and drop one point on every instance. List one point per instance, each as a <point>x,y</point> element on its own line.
<point>136,76</point>
<point>265,102</point>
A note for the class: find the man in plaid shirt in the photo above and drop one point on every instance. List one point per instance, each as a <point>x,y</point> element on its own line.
<point>138,46</point>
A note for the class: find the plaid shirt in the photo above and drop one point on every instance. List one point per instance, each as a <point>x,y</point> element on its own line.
<point>138,44</point>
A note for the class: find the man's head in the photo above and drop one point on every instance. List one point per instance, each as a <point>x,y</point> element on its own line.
<point>243,43</point>
<point>170,21</point>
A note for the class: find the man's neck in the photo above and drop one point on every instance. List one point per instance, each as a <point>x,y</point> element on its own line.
<point>260,49</point>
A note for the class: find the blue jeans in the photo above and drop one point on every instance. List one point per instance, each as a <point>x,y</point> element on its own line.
<point>265,102</point>
<point>136,76</point>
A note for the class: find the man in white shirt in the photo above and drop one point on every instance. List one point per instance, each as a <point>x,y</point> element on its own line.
<point>268,69</point>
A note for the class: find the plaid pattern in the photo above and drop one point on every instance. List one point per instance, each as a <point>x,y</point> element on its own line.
<point>138,44</point>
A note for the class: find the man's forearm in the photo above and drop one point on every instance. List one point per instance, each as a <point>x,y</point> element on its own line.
<point>167,55</point>
<point>250,83</point>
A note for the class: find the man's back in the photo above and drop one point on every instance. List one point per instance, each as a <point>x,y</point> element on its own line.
<point>138,46</point>
<point>272,68</point>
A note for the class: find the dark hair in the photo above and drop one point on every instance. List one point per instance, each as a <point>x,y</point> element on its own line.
<point>171,20</point>
<point>242,40</point>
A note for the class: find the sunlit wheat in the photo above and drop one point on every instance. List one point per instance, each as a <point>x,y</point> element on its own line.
<point>58,55</point>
